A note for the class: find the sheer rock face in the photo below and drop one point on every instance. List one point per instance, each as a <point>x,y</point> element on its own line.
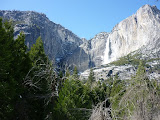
<point>97,48</point>
<point>139,33</point>
<point>58,41</point>
<point>140,29</point>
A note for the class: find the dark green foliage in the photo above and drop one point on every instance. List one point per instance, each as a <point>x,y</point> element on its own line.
<point>117,91</point>
<point>37,53</point>
<point>6,43</point>
<point>73,101</point>
<point>114,89</point>
<point>67,73</point>
<point>109,84</point>
<point>91,79</point>
<point>21,58</point>
<point>140,71</point>
<point>61,74</point>
<point>99,90</point>
<point>18,98</point>
<point>14,65</point>
<point>99,93</point>
<point>129,59</point>
<point>40,63</point>
<point>40,83</point>
<point>75,73</point>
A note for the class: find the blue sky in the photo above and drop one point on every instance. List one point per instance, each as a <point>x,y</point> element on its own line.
<point>85,18</point>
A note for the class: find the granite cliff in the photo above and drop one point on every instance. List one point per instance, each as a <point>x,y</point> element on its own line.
<point>62,46</point>
<point>138,33</point>
<point>139,30</point>
<point>59,42</point>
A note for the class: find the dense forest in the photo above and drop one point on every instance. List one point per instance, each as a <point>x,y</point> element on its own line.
<point>32,89</point>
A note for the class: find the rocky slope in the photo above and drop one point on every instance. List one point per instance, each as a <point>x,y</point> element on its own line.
<point>124,72</point>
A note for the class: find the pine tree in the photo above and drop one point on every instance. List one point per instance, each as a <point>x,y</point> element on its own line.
<point>91,79</point>
<point>72,97</point>
<point>42,81</point>
<point>14,65</point>
<point>140,74</point>
<point>6,42</point>
<point>75,73</point>
<point>67,73</point>
<point>7,81</point>
<point>37,53</point>
<point>21,63</point>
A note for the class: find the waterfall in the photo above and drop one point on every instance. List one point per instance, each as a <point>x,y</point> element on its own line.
<point>106,53</point>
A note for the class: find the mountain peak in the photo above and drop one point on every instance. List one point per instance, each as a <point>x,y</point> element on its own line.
<point>148,9</point>
<point>146,6</point>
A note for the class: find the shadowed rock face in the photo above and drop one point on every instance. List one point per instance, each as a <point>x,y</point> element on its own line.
<point>94,48</point>
<point>58,41</point>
